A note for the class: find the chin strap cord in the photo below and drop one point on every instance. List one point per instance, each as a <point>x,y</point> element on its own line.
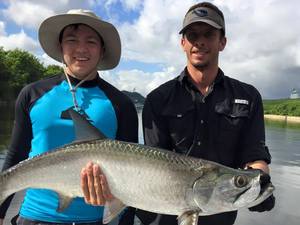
<point>73,89</point>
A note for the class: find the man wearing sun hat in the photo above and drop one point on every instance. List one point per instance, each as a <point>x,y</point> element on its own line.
<point>205,114</point>
<point>84,44</point>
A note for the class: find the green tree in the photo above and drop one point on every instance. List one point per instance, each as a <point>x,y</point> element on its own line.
<point>4,77</point>
<point>24,68</point>
<point>53,70</point>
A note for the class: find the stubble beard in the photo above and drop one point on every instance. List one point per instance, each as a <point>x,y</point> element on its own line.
<point>201,65</point>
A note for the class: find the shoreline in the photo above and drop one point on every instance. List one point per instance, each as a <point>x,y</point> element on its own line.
<point>281,118</point>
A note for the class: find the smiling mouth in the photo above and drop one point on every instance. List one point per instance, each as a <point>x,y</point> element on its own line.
<point>199,52</point>
<point>81,59</point>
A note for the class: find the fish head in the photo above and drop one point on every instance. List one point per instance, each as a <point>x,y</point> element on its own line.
<point>224,189</point>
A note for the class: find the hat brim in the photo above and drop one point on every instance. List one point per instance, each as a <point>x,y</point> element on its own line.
<point>209,22</point>
<point>49,37</point>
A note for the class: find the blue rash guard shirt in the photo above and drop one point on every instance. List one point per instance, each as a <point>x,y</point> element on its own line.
<point>40,127</point>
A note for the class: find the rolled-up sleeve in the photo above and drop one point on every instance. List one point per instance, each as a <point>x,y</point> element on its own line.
<point>253,146</point>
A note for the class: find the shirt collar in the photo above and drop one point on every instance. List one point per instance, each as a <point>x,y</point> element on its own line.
<point>88,83</point>
<point>185,80</point>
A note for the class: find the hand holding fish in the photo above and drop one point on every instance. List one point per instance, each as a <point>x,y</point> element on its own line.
<point>1,221</point>
<point>94,185</point>
<point>269,203</point>
<point>265,180</point>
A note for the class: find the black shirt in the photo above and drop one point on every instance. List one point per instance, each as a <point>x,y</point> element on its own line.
<point>225,126</point>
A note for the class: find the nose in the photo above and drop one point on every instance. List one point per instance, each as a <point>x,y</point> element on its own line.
<point>199,42</point>
<point>81,47</point>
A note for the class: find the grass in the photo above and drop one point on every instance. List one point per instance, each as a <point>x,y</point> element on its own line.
<point>286,107</point>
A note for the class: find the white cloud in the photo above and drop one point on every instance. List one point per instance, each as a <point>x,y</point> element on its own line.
<point>263,45</point>
<point>132,4</point>
<point>19,40</point>
<point>2,29</point>
<point>46,60</point>
<point>27,14</point>
<point>140,81</point>
<point>263,41</point>
<point>153,37</point>
<point>30,13</point>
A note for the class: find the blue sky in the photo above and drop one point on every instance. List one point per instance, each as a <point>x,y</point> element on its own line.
<point>263,39</point>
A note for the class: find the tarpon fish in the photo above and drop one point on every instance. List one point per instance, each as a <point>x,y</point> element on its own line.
<point>140,176</point>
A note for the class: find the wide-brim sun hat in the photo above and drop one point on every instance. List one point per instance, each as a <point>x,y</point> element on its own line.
<point>50,29</point>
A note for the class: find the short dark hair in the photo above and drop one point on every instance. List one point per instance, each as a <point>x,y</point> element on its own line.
<point>75,27</point>
<point>210,6</point>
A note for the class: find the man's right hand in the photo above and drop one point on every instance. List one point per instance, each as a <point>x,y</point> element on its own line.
<point>94,185</point>
<point>1,221</point>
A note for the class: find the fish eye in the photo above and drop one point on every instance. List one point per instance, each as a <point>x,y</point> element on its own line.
<point>240,181</point>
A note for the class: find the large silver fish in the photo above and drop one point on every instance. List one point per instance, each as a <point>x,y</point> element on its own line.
<point>143,177</point>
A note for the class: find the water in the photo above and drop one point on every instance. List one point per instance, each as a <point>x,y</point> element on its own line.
<point>284,145</point>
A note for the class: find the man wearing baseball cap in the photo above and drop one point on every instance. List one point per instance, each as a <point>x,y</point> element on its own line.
<point>84,44</point>
<point>205,114</point>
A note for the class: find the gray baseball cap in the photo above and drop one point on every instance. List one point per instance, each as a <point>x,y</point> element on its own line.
<point>204,15</point>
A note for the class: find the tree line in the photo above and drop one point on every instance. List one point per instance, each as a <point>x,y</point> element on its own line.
<point>18,68</point>
<point>285,107</point>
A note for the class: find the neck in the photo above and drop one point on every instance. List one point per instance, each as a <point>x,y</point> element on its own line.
<point>202,78</point>
<point>90,76</point>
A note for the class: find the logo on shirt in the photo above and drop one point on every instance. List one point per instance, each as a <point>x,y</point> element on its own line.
<point>241,101</point>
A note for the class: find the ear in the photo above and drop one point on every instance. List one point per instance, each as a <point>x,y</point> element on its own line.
<point>182,43</point>
<point>222,43</point>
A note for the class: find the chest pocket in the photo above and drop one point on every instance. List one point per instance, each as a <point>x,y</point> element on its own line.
<point>232,115</point>
<point>181,126</point>
<point>231,119</point>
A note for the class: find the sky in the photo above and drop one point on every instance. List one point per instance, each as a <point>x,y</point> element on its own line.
<point>263,39</point>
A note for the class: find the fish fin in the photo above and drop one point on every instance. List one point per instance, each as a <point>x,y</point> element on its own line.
<point>84,130</point>
<point>63,202</point>
<point>112,209</point>
<point>188,218</point>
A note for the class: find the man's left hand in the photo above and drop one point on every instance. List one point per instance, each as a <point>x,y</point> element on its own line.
<point>94,185</point>
<point>269,203</point>
<point>266,205</point>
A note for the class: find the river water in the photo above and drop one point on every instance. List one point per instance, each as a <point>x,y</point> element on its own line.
<point>284,145</point>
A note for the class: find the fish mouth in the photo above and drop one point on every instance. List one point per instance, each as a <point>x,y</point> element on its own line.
<point>266,187</point>
<point>266,191</point>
